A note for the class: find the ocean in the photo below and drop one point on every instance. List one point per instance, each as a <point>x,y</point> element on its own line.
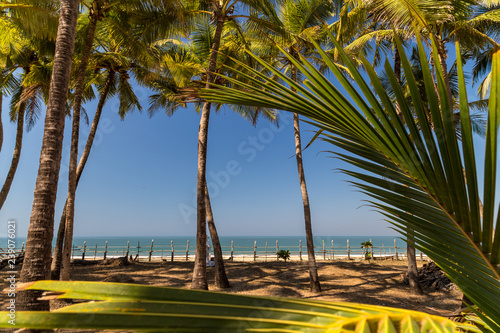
<point>326,247</point>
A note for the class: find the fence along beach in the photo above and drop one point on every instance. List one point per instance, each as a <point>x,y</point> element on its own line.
<point>238,249</point>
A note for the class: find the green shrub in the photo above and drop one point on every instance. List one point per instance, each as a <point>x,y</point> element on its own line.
<point>282,254</point>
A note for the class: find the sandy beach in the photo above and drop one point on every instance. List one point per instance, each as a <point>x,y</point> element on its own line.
<point>377,282</point>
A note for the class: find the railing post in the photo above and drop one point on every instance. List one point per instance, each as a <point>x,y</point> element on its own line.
<point>333,251</point>
<point>421,256</point>
<point>300,250</point>
<point>151,250</point>
<point>324,252</point>
<point>277,250</point>
<point>84,248</point>
<point>105,250</point>
<point>187,251</point>
<point>73,254</point>
<point>95,252</point>
<point>255,251</point>
<point>395,249</point>
<point>348,251</point>
<point>138,250</point>
<point>266,252</point>
<point>128,249</point>
<point>172,248</point>
<point>232,251</point>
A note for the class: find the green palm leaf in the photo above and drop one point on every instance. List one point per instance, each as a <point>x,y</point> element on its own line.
<point>424,191</point>
<point>147,308</point>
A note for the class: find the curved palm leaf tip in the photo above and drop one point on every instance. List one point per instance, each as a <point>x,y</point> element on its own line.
<point>423,191</point>
<point>135,307</point>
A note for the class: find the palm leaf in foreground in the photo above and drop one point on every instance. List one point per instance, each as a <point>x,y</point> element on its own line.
<point>413,168</point>
<point>147,308</point>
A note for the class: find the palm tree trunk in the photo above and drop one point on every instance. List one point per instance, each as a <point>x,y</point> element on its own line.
<point>36,265</point>
<point>200,267</point>
<point>311,260</point>
<point>414,282</point>
<point>397,72</point>
<point>443,55</point>
<point>221,280</point>
<point>58,250</point>
<point>17,154</point>
<point>75,135</point>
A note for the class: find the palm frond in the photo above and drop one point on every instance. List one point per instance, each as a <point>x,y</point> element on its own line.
<point>439,205</point>
<point>135,307</point>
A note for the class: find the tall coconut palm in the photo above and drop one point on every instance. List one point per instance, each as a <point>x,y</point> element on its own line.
<point>117,17</point>
<point>181,64</point>
<point>36,265</point>
<point>110,70</point>
<point>95,12</point>
<point>288,26</point>
<point>221,11</point>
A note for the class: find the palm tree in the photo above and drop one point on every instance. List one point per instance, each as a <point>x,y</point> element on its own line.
<point>110,70</point>
<point>220,13</point>
<point>181,63</point>
<point>95,12</point>
<point>116,17</point>
<point>288,26</point>
<point>36,264</point>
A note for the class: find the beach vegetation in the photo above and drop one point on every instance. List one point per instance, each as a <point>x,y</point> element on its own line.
<point>283,254</point>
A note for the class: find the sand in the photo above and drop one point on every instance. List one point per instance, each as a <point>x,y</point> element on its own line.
<point>375,282</point>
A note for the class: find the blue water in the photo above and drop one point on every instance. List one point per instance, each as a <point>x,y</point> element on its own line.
<point>242,245</point>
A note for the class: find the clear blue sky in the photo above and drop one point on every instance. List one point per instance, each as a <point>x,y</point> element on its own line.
<point>141,177</point>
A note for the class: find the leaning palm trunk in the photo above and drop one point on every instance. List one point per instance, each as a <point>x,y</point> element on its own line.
<point>414,282</point>
<point>311,260</point>
<point>17,154</point>
<point>58,250</point>
<point>200,268</point>
<point>75,135</point>
<point>36,265</point>
<point>221,280</point>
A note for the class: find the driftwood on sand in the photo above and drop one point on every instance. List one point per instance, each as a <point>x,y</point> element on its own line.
<point>431,277</point>
<point>120,261</point>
